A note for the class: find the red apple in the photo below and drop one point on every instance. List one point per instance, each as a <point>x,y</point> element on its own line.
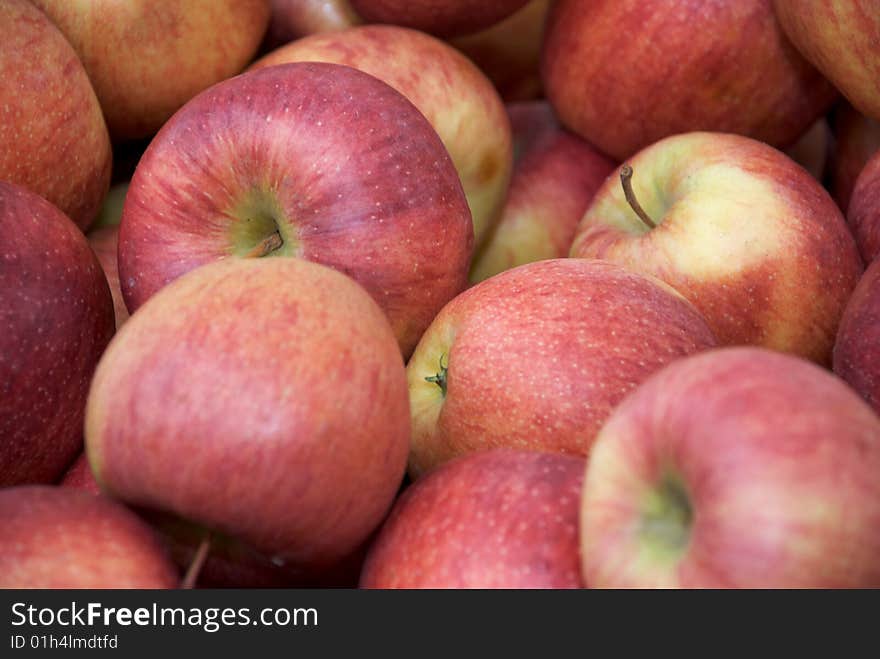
<point>864,210</point>
<point>317,161</point>
<point>840,38</point>
<point>626,73</point>
<point>555,176</point>
<point>263,400</point>
<point>857,350</point>
<point>450,91</point>
<point>446,19</point>
<point>509,52</point>
<point>79,476</point>
<point>742,231</point>
<point>538,356</point>
<point>56,537</point>
<point>494,519</point>
<point>56,316</point>
<point>740,467</point>
<point>294,19</point>
<point>146,58</point>
<point>53,139</point>
<point>811,151</point>
<point>857,138</point>
<point>104,243</point>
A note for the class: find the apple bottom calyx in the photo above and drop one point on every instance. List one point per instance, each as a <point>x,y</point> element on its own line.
<point>667,516</point>
<point>439,378</point>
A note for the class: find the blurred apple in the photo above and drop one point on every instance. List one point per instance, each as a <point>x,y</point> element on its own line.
<point>555,176</point>
<point>538,356</point>
<point>294,19</point>
<point>864,209</point>
<point>104,243</point>
<point>736,468</point>
<point>857,138</point>
<point>53,139</point>
<point>494,519</point>
<point>79,476</point>
<point>741,230</point>
<point>110,213</point>
<point>261,400</point>
<point>449,90</point>
<point>57,537</point>
<point>626,73</point>
<point>146,58</point>
<point>56,315</point>
<point>811,151</point>
<point>449,18</point>
<point>316,161</point>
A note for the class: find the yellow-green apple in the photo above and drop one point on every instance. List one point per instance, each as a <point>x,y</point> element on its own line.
<point>740,467</point>
<point>53,139</point>
<point>538,356</point>
<point>555,175</point>
<point>626,73</point>
<point>739,229</point>
<point>294,19</point>
<point>864,209</point>
<point>104,243</point>
<point>310,160</point>
<point>261,400</point>
<point>492,519</point>
<point>509,52</point>
<point>452,93</point>
<point>857,350</point>
<point>58,537</point>
<point>449,18</point>
<point>840,38</point>
<point>856,139</point>
<point>56,316</point>
<point>79,476</point>
<point>811,151</point>
<point>146,58</point>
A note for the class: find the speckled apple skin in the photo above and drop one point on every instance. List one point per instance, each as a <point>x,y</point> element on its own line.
<point>494,519</point>
<point>57,537</point>
<point>444,18</point>
<point>264,399</point>
<point>104,242</point>
<point>864,210</point>
<point>556,174</point>
<point>857,350</point>
<point>779,460</point>
<point>56,318</point>
<point>857,138</point>
<point>743,232</point>
<point>626,73</point>
<point>448,89</point>
<point>79,476</point>
<point>146,58</point>
<point>538,356</point>
<point>53,139</point>
<point>363,183</point>
<point>840,38</point>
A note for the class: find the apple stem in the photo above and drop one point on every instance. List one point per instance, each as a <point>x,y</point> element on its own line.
<point>267,245</point>
<point>440,378</point>
<point>626,173</point>
<point>195,566</point>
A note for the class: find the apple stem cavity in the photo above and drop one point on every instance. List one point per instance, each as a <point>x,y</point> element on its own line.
<point>195,566</point>
<point>266,246</point>
<point>626,173</point>
<point>439,378</point>
<point>667,516</point>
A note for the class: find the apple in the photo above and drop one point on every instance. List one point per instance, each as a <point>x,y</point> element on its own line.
<point>839,37</point>
<point>449,18</point>
<point>857,138</point>
<point>79,476</point>
<point>53,139</point>
<point>493,519</point>
<point>626,73</point>
<point>294,19</point>
<point>104,243</point>
<point>740,467</point>
<point>452,93</point>
<point>864,209</point>
<point>57,537</point>
<point>56,315</point>
<point>538,356</point>
<point>146,58</point>
<point>110,213</point>
<point>263,401</point>
<point>317,161</point>
<point>857,350</point>
<point>740,230</point>
<point>555,176</point>
<point>509,52</point>
<point>811,151</point>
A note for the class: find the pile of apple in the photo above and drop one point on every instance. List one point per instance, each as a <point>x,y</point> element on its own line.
<point>462,294</point>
